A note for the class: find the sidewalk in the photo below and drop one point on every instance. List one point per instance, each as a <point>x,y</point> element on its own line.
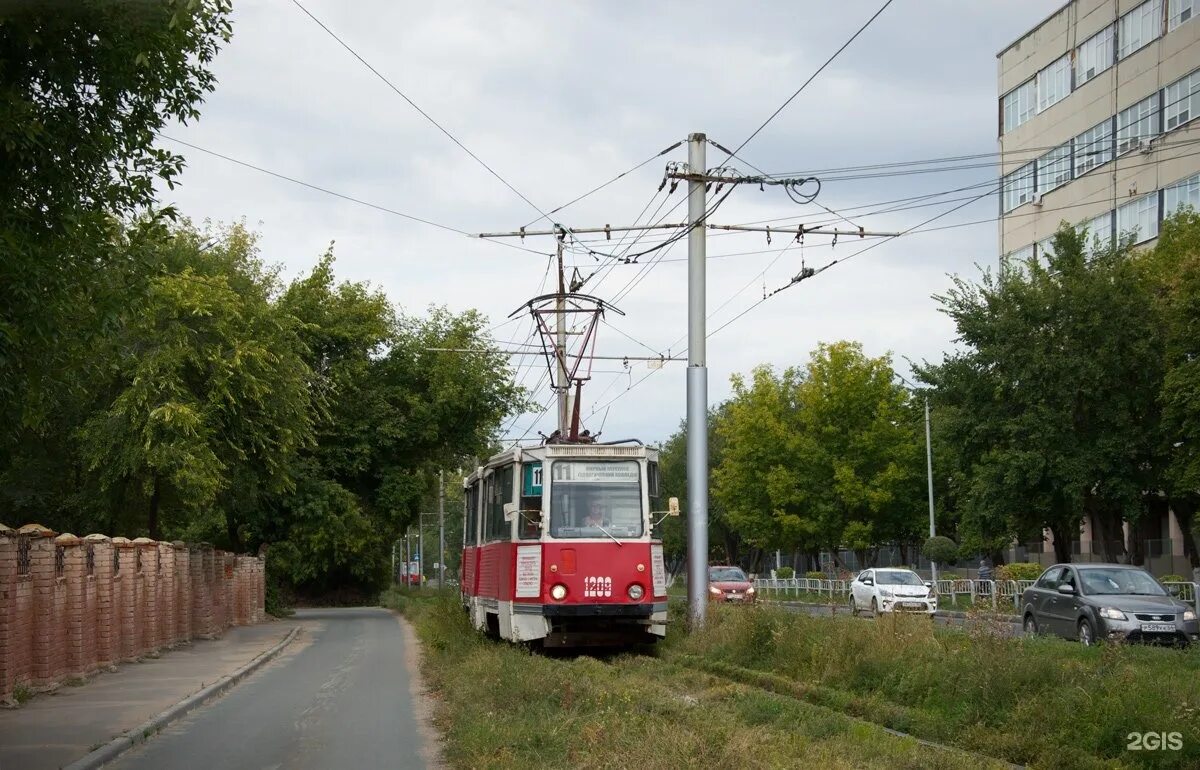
<point>53,730</point>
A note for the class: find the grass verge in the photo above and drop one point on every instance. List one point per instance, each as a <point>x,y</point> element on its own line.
<point>500,706</point>
<point>1042,702</point>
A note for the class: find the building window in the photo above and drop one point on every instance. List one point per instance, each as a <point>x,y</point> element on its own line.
<point>1017,106</point>
<point>1017,188</point>
<point>1139,218</point>
<point>1054,83</point>
<point>1179,11</point>
<point>1094,147</point>
<point>1019,257</point>
<point>1180,194</point>
<point>1045,248</point>
<point>1054,168</point>
<point>1138,27</point>
<point>1182,101</point>
<point>1098,229</point>
<point>1137,123</point>
<point>1094,56</point>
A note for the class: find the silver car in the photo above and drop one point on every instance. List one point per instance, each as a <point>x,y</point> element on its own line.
<point>1097,602</point>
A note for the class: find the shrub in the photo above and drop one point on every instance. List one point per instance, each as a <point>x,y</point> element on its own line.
<point>949,576</point>
<point>1173,579</point>
<point>813,574</point>
<point>940,549</point>
<point>785,573</point>
<point>1021,570</point>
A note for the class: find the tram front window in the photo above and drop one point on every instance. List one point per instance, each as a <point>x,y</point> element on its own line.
<point>590,499</point>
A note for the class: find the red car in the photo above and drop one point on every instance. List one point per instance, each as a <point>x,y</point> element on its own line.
<point>729,584</point>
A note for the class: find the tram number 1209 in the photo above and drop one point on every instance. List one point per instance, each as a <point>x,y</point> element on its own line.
<point>597,586</point>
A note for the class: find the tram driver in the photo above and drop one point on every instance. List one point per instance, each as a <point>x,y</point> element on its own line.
<point>595,515</point>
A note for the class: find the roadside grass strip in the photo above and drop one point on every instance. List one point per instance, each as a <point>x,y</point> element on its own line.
<point>1041,702</point>
<point>500,706</point>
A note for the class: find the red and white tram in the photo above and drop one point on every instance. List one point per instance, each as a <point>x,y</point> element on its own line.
<point>558,546</point>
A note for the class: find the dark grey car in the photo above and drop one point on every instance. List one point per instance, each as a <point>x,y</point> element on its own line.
<point>1096,602</point>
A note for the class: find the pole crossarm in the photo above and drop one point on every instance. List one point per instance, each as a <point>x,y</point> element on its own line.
<point>540,353</point>
<point>797,230</point>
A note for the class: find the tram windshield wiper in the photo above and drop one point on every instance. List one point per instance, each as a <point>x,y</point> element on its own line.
<point>605,531</point>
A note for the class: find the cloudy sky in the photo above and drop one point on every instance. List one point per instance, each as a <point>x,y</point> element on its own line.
<point>559,97</point>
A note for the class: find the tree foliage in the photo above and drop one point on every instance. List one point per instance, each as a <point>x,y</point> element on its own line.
<point>84,86</point>
<point>821,457</point>
<point>1053,402</point>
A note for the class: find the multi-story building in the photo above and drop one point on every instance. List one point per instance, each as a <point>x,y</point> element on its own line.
<point>1098,121</point>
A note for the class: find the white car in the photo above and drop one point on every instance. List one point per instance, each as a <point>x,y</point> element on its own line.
<point>892,590</point>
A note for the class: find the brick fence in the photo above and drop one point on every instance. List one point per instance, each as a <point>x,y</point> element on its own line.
<point>70,606</point>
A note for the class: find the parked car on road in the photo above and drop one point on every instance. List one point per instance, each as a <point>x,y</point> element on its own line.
<point>892,590</point>
<point>1097,602</point>
<point>729,584</point>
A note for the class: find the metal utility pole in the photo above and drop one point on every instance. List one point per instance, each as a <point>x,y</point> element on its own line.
<point>929,476</point>
<point>420,554</point>
<point>560,374</point>
<point>697,391</point>
<point>407,559</point>
<point>441,530</point>
<point>697,176</point>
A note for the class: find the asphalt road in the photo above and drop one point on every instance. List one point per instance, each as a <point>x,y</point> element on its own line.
<point>1001,626</point>
<point>337,697</point>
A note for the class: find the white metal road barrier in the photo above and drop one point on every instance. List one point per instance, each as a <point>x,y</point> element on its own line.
<point>997,593</point>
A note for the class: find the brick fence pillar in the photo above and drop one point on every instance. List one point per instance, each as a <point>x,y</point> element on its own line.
<point>202,602</point>
<point>260,572</point>
<point>47,636</point>
<point>229,567</point>
<point>127,617</point>
<point>148,599</point>
<point>8,606</point>
<point>167,608</point>
<point>74,568</point>
<point>107,626</point>
<point>183,592</point>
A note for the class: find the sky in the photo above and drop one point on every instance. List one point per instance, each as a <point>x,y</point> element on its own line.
<point>558,98</point>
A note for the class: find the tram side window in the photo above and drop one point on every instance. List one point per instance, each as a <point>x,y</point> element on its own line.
<point>504,485</point>
<point>472,518</point>
<point>500,491</point>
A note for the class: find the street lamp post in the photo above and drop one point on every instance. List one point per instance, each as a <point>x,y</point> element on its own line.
<point>928,475</point>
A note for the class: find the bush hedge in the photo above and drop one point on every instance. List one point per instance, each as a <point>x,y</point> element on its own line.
<point>1021,570</point>
<point>785,573</point>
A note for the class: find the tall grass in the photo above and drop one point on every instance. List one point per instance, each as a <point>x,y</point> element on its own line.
<point>501,706</point>
<point>1039,701</point>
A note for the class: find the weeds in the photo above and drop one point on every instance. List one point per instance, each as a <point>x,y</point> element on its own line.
<point>501,707</point>
<point>1026,700</point>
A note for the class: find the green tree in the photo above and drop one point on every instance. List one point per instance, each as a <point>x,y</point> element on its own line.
<point>1053,402</point>
<point>84,86</point>
<point>724,542</point>
<point>397,411</point>
<point>822,457</point>
<point>1173,268</point>
<point>208,383</point>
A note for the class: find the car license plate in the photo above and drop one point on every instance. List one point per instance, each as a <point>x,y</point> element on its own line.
<point>1158,627</point>
<point>914,606</point>
<point>733,595</point>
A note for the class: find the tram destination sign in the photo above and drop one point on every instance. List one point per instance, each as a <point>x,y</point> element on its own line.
<point>588,472</point>
<point>531,480</point>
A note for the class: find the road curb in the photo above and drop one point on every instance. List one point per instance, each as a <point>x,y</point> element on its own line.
<point>140,734</point>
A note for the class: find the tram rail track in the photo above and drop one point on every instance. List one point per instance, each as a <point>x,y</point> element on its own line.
<point>817,696</point>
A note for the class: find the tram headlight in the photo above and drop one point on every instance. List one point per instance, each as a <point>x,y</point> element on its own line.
<point>558,592</point>
<point>636,592</point>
